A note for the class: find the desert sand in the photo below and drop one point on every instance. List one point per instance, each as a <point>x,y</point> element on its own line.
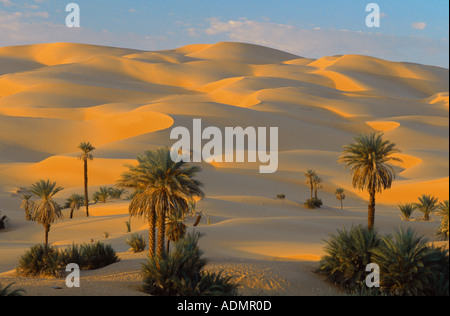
<point>124,101</point>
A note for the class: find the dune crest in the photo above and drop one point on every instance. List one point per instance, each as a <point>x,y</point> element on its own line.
<point>126,101</point>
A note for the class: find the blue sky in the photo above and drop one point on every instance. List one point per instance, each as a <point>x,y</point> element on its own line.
<point>414,31</point>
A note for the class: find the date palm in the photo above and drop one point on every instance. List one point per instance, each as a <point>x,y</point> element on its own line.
<point>367,159</point>
<point>75,202</point>
<point>45,210</point>
<point>310,174</point>
<point>427,205</point>
<point>340,196</point>
<point>163,187</point>
<point>86,154</point>
<point>406,210</point>
<point>27,205</point>
<point>317,183</point>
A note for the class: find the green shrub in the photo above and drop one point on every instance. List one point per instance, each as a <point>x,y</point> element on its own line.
<point>98,256</point>
<point>408,266</point>
<point>281,196</point>
<point>181,273</point>
<point>406,211</point>
<point>313,203</point>
<point>137,243</point>
<point>49,261</point>
<point>40,260</point>
<point>348,254</point>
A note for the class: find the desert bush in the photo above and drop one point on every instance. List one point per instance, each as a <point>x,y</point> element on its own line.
<point>128,225</point>
<point>98,255</point>
<point>406,211</point>
<point>116,193</point>
<point>6,291</point>
<point>3,220</point>
<point>313,203</point>
<point>180,272</point>
<point>348,254</point>
<point>40,260</point>
<point>43,260</point>
<point>281,196</point>
<point>137,243</point>
<point>409,267</point>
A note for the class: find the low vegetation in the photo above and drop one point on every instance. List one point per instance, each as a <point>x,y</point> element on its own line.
<point>7,291</point>
<point>408,265</point>
<point>181,273</point>
<point>137,243</point>
<point>42,260</point>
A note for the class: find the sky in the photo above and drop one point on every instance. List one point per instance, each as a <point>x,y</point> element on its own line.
<point>412,31</point>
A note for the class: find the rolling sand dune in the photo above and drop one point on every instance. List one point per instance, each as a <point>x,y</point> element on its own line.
<point>124,101</point>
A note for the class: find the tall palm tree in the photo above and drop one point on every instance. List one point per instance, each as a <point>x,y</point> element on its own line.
<point>310,174</point>
<point>45,211</point>
<point>368,160</point>
<point>163,187</point>
<point>86,154</point>
<point>175,228</point>
<point>340,196</point>
<point>427,205</point>
<point>75,202</point>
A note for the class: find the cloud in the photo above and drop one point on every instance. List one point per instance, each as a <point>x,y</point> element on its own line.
<point>320,42</point>
<point>6,3</point>
<point>23,28</point>
<point>419,25</point>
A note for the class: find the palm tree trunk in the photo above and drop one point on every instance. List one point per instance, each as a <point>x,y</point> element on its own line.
<point>47,230</point>
<point>151,234</point>
<point>371,215</point>
<point>312,188</point>
<point>86,196</point>
<point>71,212</point>
<point>161,233</point>
<point>342,205</point>
<point>168,245</point>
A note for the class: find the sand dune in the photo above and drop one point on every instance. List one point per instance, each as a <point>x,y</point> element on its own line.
<point>124,101</point>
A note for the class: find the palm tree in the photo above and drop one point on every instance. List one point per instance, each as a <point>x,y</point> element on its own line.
<point>427,205</point>
<point>317,181</point>
<point>102,194</point>
<point>75,202</point>
<point>45,211</point>
<point>163,187</point>
<point>443,212</point>
<point>406,210</point>
<point>340,196</point>
<point>86,154</point>
<point>175,228</point>
<point>27,205</point>
<point>368,160</point>
<point>310,174</point>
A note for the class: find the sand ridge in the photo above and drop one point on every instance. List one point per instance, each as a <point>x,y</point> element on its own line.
<point>125,101</point>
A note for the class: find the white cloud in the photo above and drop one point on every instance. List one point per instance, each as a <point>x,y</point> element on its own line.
<point>419,25</point>
<point>319,42</point>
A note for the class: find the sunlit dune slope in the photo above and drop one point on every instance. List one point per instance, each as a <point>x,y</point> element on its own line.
<point>125,101</point>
